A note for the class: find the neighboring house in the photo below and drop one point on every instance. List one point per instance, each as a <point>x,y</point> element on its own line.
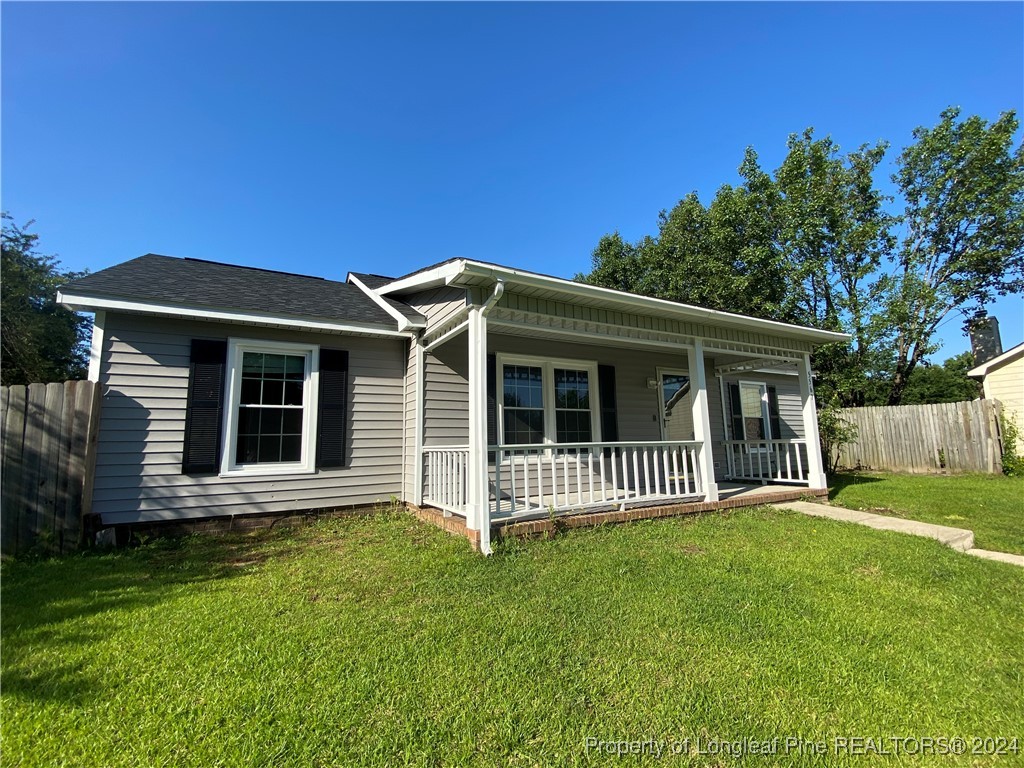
<point>487,392</point>
<point>1002,379</point>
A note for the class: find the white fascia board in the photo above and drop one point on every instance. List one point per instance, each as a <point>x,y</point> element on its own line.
<point>685,311</point>
<point>403,321</point>
<point>442,275</point>
<point>1008,355</point>
<point>94,303</point>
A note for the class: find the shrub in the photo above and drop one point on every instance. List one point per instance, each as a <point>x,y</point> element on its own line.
<point>1013,462</point>
<point>834,432</point>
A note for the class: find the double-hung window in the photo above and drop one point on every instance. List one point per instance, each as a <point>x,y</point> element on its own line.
<point>271,408</point>
<point>754,408</point>
<point>547,401</point>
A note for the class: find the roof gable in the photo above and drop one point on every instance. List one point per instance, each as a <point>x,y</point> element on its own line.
<point>197,283</point>
<point>999,361</point>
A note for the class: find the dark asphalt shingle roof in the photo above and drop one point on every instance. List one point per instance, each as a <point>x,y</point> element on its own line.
<point>372,281</point>
<point>198,283</point>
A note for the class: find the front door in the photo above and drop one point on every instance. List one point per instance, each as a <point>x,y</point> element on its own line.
<point>676,405</point>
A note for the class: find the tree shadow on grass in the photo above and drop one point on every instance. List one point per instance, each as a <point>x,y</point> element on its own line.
<point>52,609</point>
<point>842,480</point>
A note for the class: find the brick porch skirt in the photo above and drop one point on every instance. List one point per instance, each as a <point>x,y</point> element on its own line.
<point>545,526</point>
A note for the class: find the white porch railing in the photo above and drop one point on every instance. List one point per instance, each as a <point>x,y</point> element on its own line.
<point>444,476</point>
<point>567,476</point>
<point>765,461</point>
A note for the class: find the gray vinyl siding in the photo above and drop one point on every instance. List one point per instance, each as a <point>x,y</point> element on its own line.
<point>438,305</point>
<point>446,395</point>
<point>144,375</point>
<point>410,426</point>
<point>790,410</point>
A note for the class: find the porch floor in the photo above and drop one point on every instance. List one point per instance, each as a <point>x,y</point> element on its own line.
<point>753,490</point>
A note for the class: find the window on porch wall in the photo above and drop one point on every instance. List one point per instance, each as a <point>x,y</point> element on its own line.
<point>546,403</point>
<point>753,401</point>
<point>523,398</point>
<point>572,406</point>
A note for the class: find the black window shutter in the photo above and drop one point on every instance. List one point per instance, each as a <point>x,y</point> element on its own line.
<point>492,404</point>
<point>332,421</point>
<point>204,409</point>
<point>609,414</point>
<point>735,411</point>
<point>773,412</point>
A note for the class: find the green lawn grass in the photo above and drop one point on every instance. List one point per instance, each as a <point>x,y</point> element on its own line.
<point>990,505</point>
<point>382,641</point>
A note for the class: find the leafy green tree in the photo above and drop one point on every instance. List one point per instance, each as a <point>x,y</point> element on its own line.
<point>721,256</point>
<point>963,234</point>
<point>800,246</point>
<point>834,232</point>
<point>41,340</point>
<point>946,383</point>
<point>814,244</point>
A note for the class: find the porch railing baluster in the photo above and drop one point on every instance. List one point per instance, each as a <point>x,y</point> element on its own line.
<point>520,486</point>
<point>590,473</point>
<point>769,457</point>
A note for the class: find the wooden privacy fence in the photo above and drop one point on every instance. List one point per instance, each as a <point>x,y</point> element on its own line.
<point>49,433</point>
<point>956,437</point>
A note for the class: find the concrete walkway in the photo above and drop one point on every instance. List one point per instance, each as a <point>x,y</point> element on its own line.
<point>959,539</point>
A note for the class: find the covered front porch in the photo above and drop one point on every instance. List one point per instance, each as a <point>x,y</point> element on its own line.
<point>519,417</point>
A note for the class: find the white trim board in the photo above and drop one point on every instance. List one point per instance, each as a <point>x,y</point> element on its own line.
<point>403,321</point>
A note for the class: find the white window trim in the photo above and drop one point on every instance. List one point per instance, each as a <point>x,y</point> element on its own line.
<point>310,393</point>
<point>766,411</point>
<point>547,366</point>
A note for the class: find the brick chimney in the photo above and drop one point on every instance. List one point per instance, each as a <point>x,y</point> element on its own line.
<point>985,342</point>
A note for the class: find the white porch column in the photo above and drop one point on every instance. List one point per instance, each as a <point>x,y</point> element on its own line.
<point>478,511</point>
<point>815,466</point>
<point>702,420</point>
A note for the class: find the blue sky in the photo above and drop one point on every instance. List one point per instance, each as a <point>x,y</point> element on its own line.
<point>328,137</point>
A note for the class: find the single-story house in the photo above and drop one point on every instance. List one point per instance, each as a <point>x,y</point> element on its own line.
<point>491,393</point>
<point>1002,379</point>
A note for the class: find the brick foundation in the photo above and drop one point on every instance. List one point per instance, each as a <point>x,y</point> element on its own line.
<point>533,528</point>
<point>122,533</point>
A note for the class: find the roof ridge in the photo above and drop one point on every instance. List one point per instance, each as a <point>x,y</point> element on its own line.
<point>254,269</point>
